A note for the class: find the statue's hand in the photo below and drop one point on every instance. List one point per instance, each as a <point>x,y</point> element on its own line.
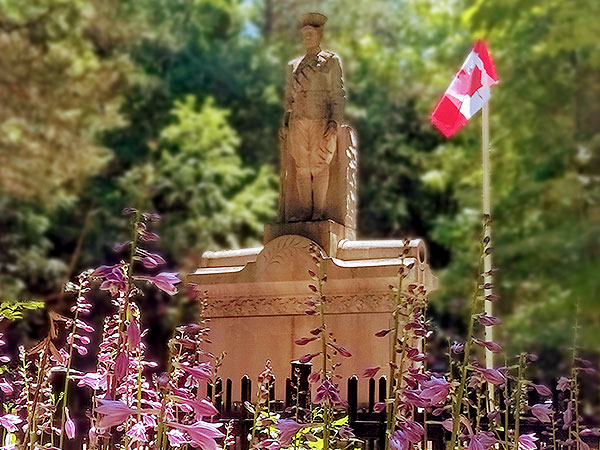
<point>331,130</point>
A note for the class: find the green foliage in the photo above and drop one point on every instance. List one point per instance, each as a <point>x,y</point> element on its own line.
<point>13,310</point>
<point>63,73</point>
<point>196,178</point>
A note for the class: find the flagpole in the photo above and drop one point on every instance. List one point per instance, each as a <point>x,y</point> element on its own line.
<point>487,211</point>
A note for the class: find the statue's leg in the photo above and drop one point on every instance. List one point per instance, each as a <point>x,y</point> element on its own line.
<point>299,150</point>
<point>320,161</point>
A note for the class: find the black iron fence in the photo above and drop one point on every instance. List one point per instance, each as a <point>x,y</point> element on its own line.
<point>367,424</point>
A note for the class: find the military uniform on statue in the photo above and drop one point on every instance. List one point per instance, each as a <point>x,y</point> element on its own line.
<point>314,109</point>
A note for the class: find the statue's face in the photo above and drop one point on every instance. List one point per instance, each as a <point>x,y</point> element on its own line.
<point>311,37</point>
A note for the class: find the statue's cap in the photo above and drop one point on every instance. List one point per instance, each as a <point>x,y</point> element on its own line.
<point>312,19</point>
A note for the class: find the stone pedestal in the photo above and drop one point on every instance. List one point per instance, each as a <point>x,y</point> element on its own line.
<point>257,298</point>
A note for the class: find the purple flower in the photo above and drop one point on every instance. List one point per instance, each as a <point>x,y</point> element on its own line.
<point>413,431</point>
<point>314,377</point>
<point>542,390</point>
<point>414,398</point>
<point>327,393</point>
<point>435,390</point>
<point>493,376</point>
<point>103,271</point>
<point>383,333</point>
<point>341,350</point>
<point>448,424</point>
<point>542,412</point>
<point>370,372</point>
<point>152,260</point>
<point>457,347</point>
<point>568,416</point>
<point>165,281</point>
<point>306,358</point>
<point>487,439</point>
<point>527,441</point>
<point>113,412</point>
<point>133,334</point>
<point>201,372</point>
<point>202,434</point>
<point>475,444</point>
<point>94,380</point>
<point>176,438</point>
<point>346,432</point>
<point>121,366</point>
<point>69,425</point>
<point>137,433</point>
<point>114,281</point>
<point>6,387</point>
<point>490,345</point>
<point>379,407</point>
<point>287,430</point>
<point>304,340</point>
<point>488,321</point>
<point>398,440</point>
<point>201,408</point>
<point>10,422</point>
<point>563,384</point>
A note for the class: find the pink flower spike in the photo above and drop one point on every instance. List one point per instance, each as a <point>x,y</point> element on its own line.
<point>10,422</point>
<point>164,281</point>
<point>69,425</point>
<point>327,393</point>
<point>6,387</point>
<point>370,372</point>
<point>137,432</point>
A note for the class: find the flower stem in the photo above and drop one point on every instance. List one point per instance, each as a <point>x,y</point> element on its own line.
<point>518,394</point>
<point>66,388</point>
<point>390,422</point>
<point>457,409</point>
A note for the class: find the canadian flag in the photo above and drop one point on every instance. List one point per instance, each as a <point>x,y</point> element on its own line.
<point>467,93</point>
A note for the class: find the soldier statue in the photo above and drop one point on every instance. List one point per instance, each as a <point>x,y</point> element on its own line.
<point>314,108</point>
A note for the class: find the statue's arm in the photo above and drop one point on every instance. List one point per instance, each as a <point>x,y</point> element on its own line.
<point>288,98</point>
<point>338,93</point>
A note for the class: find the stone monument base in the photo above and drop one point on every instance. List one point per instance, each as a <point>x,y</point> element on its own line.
<point>257,299</point>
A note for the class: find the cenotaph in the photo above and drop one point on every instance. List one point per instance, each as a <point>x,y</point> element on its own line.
<point>257,296</point>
